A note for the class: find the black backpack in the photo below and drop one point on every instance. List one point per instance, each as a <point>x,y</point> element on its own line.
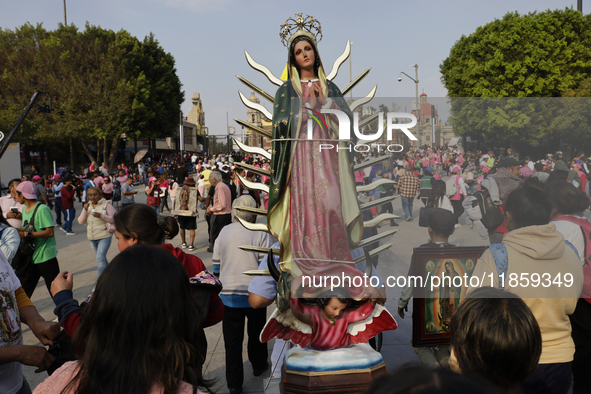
<point>492,216</point>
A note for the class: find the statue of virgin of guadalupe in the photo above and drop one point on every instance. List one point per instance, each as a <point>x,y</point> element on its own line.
<point>313,206</point>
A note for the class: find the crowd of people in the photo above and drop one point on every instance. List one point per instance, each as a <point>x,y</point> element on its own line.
<point>543,336</point>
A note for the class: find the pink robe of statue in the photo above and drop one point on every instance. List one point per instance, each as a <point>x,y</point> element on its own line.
<point>319,238</point>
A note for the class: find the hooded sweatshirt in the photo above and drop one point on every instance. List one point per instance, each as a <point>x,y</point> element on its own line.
<point>540,251</point>
<point>507,182</point>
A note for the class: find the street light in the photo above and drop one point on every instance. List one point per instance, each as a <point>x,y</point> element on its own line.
<point>416,81</point>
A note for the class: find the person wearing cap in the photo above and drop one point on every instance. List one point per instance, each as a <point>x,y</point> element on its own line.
<point>11,208</point>
<point>153,193</point>
<point>441,226</point>
<point>188,222</point>
<point>56,187</point>
<point>507,179</point>
<point>40,190</point>
<point>44,259</point>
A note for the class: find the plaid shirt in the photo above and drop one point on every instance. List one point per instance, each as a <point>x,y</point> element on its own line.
<point>408,185</point>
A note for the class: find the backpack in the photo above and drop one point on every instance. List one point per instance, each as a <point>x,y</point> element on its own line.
<point>451,186</point>
<point>492,216</point>
<point>27,245</point>
<point>499,252</point>
<point>585,226</point>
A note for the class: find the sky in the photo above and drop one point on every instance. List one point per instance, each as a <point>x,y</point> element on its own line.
<point>208,39</point>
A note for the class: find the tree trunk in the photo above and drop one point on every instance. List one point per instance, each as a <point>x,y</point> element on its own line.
<point>105,156</point>
<point>72,155</point>
<point>110,161</point>
<point>98,153</point>
<point>88,152</point>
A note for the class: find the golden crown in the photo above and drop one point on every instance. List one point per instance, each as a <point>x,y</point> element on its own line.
<point>292,25</point>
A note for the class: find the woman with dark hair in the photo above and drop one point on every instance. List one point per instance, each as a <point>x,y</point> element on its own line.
<point>164,186</point>
<point>438,198</point>
<point>124,343</point>
<point>139,224</point>
<point>495,335</point>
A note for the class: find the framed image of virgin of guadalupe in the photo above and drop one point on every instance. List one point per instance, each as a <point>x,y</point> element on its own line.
<point>445,274</point>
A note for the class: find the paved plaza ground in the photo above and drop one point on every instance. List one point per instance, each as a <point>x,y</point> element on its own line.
<point>76,256</point>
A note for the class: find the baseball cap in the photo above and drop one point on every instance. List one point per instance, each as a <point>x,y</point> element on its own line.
<point>56,176</point>
<point>558,153</point>
<point>485,169</point>
<point>525,171</point>
<point>577,165</point>
<point>27,189</point>
<point>152,179</point>
<point>36,177</point>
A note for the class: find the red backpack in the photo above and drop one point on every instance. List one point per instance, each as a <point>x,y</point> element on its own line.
<point>585,226</point>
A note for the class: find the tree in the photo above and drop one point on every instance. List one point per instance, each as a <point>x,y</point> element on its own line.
<point>534,55</point>
<point>103,84</point>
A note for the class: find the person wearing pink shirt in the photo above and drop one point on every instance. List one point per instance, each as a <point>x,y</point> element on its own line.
<point>11,208</point>
<point>221,209</point>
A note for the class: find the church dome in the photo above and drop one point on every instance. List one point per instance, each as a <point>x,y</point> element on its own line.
<point>253,98</point>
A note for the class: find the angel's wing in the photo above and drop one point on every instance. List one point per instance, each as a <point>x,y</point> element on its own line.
<point>286,326</point>
<point>377,321</point>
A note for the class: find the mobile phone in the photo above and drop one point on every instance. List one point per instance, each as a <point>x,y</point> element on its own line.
<point>14,209</point>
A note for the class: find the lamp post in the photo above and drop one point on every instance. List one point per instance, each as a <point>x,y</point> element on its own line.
<point>416,81</point>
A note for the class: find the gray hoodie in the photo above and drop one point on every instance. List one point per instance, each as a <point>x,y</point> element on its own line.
<point>507,182</point>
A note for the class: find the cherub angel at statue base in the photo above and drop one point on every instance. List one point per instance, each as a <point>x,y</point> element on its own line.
<point>331,321</point>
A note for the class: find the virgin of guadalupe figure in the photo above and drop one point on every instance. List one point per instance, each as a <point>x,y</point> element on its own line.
<point>449,296</point>
<point>313,206</point>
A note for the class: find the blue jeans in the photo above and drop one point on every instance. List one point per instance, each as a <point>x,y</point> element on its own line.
<point>142,177</point>
<point>157,209</point>
<point>407,206</point>
<point>101,247</point>
<point>69,214</point>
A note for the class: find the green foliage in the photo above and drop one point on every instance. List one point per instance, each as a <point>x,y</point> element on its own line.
<point>536,55</point>
<point>102,84</point>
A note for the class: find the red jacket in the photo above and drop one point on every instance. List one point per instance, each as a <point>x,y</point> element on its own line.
<point>68,197</point>
<point>193,265</point>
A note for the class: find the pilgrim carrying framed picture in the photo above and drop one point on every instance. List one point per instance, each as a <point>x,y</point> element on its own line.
<point>438,298</point>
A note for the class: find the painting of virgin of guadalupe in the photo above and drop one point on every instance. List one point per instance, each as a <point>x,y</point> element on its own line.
<point>436,301</point>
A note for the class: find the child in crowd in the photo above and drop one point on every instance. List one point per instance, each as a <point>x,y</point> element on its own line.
<point>441,227</point>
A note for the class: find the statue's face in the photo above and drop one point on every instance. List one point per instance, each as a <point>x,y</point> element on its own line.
<point>304,55</point>
<point>334,308</point>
